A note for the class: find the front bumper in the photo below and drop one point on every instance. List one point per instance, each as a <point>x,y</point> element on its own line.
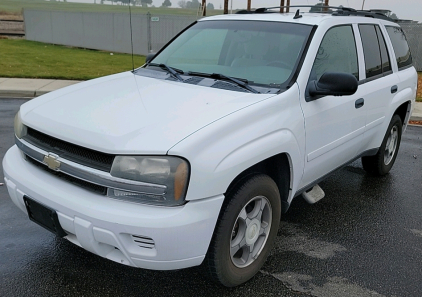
<point>160,238</point>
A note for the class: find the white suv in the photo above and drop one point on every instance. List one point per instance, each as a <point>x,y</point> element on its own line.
<point>193,157</point>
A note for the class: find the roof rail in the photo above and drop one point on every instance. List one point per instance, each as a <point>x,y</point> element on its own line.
<point>268,9</point>
<point>340,11</point>
<point>364,13</point>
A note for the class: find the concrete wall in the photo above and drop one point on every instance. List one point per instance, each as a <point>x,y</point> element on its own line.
<point>103,31</point>
<point>111,31</point>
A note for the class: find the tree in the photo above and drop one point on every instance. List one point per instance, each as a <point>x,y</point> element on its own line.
<point>210,6</point>
<point>166,3</point>
<point>319,7</point>
<point>182,4</point>
<point>145,3</point>
<point>204,7</point>
<point>193,4</point>
<point>226,6</point>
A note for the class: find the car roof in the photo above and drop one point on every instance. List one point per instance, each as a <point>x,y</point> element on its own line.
<point>307,18</point>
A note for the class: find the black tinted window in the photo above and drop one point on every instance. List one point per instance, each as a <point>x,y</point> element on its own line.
<point>385,58</point>
<point>401,48</point>
<point>371,50</point>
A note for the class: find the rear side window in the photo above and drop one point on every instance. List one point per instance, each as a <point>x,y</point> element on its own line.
<point>377,60</point>
<point>385,57</point>
<point>401,48</point>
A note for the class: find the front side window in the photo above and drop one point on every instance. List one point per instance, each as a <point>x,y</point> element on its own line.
<point>337,53</point>
<point>401,48</point>
<point>263,53</point>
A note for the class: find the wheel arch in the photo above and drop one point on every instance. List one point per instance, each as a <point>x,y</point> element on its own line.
<point>271,167</point>
<point>403,111</point>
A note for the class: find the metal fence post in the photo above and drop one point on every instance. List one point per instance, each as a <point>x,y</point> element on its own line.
<point>149,32</point>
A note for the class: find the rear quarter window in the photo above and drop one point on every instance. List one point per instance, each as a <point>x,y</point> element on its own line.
<point>401,48</point>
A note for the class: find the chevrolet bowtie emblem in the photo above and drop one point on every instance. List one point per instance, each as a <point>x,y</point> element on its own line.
<point>52,162</point>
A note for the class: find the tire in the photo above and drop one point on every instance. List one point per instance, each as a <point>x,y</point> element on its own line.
<point>245,232</point>
<point>383,161</point>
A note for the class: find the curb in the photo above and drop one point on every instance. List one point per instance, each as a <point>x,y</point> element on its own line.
<point>21,94</point>
<point>17,94</point>
<point>415,118</point>
<point>28,95</point>
<point>33,88</point>
<point>30,88</point>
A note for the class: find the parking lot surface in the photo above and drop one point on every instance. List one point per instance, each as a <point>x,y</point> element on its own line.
<point>363,239</point>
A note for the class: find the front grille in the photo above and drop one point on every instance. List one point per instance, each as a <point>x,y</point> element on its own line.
<point>143,241</point>
<point>69,151</point>
<point>78,182</point>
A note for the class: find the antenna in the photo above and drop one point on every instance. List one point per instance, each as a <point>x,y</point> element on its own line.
<point>297,15</point>
<point>131,38</point>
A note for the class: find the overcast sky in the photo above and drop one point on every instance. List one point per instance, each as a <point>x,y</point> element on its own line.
<point>404,9</point>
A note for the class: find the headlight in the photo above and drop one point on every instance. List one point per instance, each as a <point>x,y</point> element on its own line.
<point>171,172</point>
<point>20,129</point>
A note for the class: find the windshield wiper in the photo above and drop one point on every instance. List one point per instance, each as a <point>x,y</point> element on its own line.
<point>173,71</point>
<point>238,82</point>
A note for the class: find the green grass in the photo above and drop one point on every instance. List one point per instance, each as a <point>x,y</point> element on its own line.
<point>23,58</point>
<point>16,6</point>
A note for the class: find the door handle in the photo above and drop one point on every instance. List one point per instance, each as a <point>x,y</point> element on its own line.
<point>359,103</point>
<point>394,89</point>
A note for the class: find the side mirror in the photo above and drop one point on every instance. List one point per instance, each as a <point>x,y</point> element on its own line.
<point>149,57</point>
<point>333,83</point>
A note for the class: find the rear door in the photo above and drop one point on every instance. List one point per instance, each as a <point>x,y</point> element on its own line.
<point>402,58</point>
<point>380,84</point>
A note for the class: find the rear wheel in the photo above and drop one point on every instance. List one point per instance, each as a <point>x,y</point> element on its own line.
<point>245,231</point>
<point>383,161</point>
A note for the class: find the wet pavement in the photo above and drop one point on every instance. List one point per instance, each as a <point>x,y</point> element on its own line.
<point>363,239</point>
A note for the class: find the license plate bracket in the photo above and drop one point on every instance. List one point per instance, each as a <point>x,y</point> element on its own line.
<point>44,216</point>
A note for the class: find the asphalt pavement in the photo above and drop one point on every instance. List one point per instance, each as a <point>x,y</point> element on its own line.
<point>363,239</point>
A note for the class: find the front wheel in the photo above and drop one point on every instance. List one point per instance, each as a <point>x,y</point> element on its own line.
<point>383,161</point>
<point>245,231</point>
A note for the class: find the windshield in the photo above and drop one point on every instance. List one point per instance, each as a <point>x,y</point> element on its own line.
<point>263,53</point>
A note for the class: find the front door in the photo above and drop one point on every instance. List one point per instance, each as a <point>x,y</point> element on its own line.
<point>334,125</point>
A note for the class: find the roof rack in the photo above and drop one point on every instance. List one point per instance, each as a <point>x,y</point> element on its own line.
<point>340,11</point>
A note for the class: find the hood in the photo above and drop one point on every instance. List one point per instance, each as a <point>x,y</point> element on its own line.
<point>131,114</point>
